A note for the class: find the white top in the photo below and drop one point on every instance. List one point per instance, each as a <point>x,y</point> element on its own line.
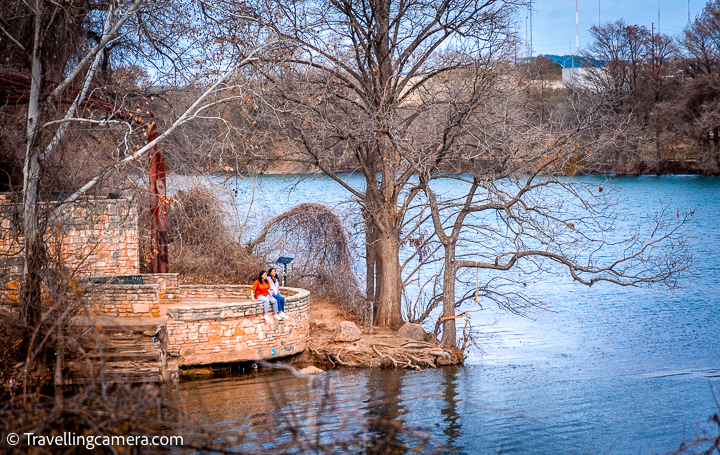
<point>274,285</point>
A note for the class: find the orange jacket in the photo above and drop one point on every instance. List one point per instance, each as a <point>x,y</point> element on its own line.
<point>260,288</point>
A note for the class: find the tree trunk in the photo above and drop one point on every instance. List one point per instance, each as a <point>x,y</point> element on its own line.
<point>31,176</point>
<point>449,335</point>
<point>370,247</point>
<point>388,282</point>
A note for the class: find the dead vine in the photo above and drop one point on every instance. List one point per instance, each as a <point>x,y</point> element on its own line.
<point>316,237</point>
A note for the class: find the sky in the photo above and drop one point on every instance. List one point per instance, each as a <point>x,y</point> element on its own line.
<point>553,21</point>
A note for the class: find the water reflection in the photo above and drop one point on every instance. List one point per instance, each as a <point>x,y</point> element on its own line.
<point>384,406</point>
<point>392,408</point>
<point>608,371</point>
<point>449,410</point>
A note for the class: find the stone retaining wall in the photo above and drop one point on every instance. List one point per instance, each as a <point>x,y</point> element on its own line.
<point>94,236</point>
<point>169,285</point>
<point>133,300</point>
<point>214,291</point>
<point>126,300</point>
<point>208,333</point>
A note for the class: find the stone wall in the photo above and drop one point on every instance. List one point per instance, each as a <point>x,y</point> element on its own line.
<point>126,300</point>
<point>208,333</point>
<point>132,300</point>
<point>95,236</point>
<point>169,285</point>
<point>214,291</point>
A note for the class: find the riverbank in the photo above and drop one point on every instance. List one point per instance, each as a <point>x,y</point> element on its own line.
<point>670,166</point>
<point>334,342</point>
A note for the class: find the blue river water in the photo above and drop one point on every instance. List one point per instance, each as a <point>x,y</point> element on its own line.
<point>606,370</point>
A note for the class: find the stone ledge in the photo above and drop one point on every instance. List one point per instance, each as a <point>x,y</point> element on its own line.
<point>197,310</point>
<point>216,330</point>
<point>243,356</point>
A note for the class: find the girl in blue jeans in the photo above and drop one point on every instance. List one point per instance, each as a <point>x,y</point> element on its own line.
<point>275,292</point>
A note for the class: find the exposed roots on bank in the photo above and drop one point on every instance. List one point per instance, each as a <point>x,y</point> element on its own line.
<point>411,354</point>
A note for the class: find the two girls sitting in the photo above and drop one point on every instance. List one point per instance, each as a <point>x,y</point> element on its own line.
<point>267,289</point>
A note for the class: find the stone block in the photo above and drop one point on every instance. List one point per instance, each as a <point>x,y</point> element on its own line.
<point>246,323</point>
<point>140,308</point>
<point>346,331</point>
<point>412,332</point>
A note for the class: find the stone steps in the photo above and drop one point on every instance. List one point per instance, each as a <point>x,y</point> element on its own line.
<point>133,351</point>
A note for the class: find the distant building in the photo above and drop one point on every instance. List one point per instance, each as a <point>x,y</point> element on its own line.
<point>577,77</point>
<point>576,70</point>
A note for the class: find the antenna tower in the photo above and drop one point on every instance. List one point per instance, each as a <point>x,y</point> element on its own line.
<point>531,43</point>
<point>577,30</point>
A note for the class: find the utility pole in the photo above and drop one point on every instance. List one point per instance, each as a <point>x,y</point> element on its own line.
<point>527,51</point>
<point>652,42</point>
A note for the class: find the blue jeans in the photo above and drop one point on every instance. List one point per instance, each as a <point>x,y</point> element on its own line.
<point>266,299</point>
<point>281,302</point>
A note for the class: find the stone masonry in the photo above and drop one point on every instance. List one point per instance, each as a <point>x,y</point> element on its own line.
<point>233,331</point>
<point>97,240</point>
<point>95,236</point>
<point>126,300</point>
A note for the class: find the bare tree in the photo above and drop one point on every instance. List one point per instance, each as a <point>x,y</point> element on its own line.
<point>355,84</point>
<point>521,213</point>
<point>57,110</point>
<point>36,151</point>
<point>697,104</point>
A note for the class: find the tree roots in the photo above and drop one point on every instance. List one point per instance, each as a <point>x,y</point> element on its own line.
<point>411,355</point>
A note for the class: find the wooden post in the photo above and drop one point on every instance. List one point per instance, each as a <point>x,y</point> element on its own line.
<point>158,209</point>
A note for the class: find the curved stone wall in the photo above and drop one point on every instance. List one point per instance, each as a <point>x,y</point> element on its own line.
<point>215,324</point>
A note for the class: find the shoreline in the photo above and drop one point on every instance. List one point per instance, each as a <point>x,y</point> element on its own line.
<point>244,175</point>
<point>383,348</point>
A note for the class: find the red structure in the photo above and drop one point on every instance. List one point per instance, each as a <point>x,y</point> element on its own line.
<point>158,206</point>
<point>15,89</point>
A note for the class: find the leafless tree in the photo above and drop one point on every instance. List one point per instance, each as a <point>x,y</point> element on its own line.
<point>519,212</point>
<point>633,66</point>
<point>355,84</point>
<point>697,104</point>
<point>54,107</point>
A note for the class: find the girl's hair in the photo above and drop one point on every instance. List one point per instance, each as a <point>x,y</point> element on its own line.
<point>270,275</point>
<point>260,278</point>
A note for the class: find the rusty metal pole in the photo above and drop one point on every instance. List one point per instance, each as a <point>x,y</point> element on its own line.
<point>158,210</point>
